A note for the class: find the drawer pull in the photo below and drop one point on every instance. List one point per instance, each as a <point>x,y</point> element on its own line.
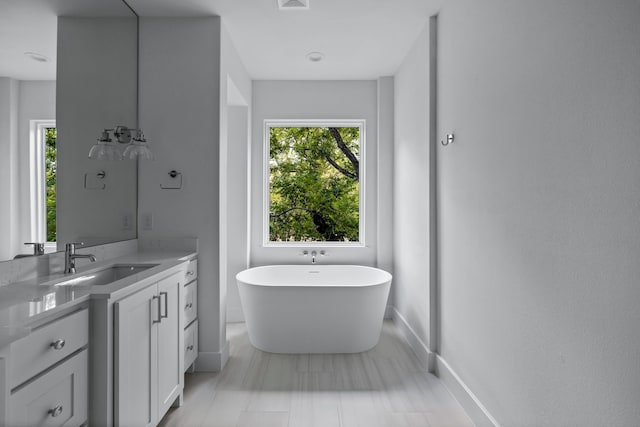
<point>190,347</point>
<point>57,344</point>
<point>188,305</point>
<point>55,411</point>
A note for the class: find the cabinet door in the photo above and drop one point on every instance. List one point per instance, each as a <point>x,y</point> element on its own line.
<point>170,343</point>
<point>136,343</point>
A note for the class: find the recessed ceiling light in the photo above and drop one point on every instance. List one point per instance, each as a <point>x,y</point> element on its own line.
<point>36,56</point>
<point>293,4</point>
<point>315,56</point>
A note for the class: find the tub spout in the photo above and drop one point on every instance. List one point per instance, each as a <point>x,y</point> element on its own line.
<point>313,257</point>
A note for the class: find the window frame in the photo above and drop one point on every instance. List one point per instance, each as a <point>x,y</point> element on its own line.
<point>275,123</point>
<point>38,191</point>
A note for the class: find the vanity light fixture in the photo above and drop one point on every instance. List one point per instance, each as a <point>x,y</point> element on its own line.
<point>293,4</point>
<point>127,147</point>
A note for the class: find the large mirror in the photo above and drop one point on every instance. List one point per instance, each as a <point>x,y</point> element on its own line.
<point>68,71</point>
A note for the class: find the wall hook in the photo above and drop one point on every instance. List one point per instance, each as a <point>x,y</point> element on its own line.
<point>449,140</point>
<point>174,182</point>
<point>91,183</point>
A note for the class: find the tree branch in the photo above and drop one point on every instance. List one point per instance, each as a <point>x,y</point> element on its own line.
<point>340,169</point>
<point>343,147</point>
<point>289,210</point>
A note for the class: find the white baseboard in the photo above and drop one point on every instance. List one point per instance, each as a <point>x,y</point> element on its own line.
<point>212,361</point>
<point>469,401</point>
<point>425,356</point>
<point>434,363</point>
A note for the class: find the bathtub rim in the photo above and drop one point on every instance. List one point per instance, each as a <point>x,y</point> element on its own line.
<point>386,276</point>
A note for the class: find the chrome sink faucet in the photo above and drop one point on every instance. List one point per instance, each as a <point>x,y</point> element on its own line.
<point>38,248</point>
<point>70,256</point>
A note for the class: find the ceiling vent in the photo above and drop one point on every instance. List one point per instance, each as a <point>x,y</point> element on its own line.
<point>293,4</point>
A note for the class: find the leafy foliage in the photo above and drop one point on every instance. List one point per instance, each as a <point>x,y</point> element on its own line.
<point>50,182</point>
<point>314,184</point>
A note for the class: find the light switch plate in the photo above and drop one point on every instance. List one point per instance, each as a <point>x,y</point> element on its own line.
<point>147,221</point>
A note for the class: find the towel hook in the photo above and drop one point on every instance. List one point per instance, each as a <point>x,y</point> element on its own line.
<point>174,175</point>
<point>449,140</point>
<point>99,175</point>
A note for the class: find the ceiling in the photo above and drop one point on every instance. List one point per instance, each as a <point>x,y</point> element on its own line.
<point>31,26</point>
<point>360,39</point>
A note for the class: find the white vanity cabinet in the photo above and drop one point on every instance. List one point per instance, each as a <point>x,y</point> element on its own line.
<point>47,374</point>
<point>190,314</point>
<point>148,357</point>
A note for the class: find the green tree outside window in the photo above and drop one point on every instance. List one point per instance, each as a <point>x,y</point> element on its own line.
<point>314,184</point>
<point>50,182</point>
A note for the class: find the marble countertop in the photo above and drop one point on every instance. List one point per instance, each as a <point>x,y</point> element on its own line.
<point>24,305</point>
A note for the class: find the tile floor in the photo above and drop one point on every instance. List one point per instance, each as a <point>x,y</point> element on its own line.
<point>383,387</point>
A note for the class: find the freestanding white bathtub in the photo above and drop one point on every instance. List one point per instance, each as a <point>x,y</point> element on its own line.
<point>314,308</point>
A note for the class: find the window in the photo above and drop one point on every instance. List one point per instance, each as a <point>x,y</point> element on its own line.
<point>43,177</point>
<point>314,182</point>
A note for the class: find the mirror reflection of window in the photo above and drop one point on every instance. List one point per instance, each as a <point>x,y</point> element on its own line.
<point>50,153</point>
<point>43,164</point>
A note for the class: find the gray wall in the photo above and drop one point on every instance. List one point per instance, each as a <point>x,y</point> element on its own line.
<point>411,193</point>
<point>96,89</point>
<point>184,65</point>
<point>539,209</point>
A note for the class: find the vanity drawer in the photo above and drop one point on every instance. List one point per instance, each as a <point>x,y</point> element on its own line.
<point>192,271</point>
<point>190,303</point>
<point>190,344</point>
<point>48,345</point>
<point>57,398</point>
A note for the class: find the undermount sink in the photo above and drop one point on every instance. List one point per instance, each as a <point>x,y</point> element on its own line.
<point>107,275</point>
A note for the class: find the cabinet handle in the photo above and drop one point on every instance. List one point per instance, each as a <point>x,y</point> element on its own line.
<point>159,312</point>
<point>57,344</point>
<point>190,347</point>
<point>55,411</point>
<point>166,305</point>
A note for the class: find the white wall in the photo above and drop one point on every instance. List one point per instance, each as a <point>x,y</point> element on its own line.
<point>180,113</point>
<point>539,208</point>
<point>385,174</point>
<point>9,95</point>
<point>96,89</point>
<point>22,101</point>
<point>235,101</point>
<point>314,100</point>
<point>37,102</point>
<point>411,195</point>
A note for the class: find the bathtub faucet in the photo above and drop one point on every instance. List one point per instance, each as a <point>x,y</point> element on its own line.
<point>314,254</point>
